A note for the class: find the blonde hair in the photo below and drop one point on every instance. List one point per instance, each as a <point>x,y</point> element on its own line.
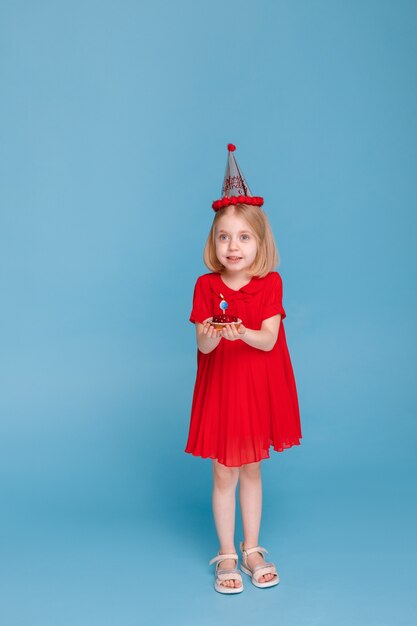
<point>267,256</point>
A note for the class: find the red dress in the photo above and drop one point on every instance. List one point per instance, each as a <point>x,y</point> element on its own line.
<point>245,399</point>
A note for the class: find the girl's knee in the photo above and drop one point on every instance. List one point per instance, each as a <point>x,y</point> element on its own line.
<point>251,470</point>
<point>225,476</point>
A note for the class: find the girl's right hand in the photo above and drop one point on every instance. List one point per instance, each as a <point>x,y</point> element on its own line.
<point>210,331</point>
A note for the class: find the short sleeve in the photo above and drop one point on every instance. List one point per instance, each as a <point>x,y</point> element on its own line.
<point>272,304</point>
<point>202,308</point>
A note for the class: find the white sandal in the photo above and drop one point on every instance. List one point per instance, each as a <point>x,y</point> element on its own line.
<point>226,574</point>
<point>258,570</point>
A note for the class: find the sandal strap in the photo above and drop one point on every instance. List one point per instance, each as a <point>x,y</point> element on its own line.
<point>261,565</point>
<point>228,574</point>
<point>221,570</point>
<point>222,557</point>
<point>249,551</point>
<point>261,571</point>
<point>268,566</point>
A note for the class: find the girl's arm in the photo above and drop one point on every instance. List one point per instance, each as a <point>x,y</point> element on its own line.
<point>208,337</point>
<point>263,339</point>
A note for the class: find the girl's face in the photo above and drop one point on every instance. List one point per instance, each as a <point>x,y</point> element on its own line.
<point>235,242</point>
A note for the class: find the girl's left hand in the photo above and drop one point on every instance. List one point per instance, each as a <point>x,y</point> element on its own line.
<point>230,332</point>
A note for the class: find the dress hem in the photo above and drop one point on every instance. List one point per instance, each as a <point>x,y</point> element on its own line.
<point>284,446</point>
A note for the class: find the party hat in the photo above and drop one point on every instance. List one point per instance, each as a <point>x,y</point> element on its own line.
<point>235,189</point>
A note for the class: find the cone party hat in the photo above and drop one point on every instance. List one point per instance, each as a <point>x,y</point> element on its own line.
<point>235,189</point>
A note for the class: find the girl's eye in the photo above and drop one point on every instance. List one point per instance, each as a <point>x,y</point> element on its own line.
<point>223,237</point>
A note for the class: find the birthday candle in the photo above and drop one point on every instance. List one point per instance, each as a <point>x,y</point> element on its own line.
<point>223,304</point>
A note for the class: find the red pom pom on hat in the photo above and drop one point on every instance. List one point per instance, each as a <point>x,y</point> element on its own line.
<point>231,147</point>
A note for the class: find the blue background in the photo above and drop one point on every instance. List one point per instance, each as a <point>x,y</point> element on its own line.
<point>114,122</point>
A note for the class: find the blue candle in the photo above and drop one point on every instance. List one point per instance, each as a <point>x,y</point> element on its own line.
<point>223,304</point>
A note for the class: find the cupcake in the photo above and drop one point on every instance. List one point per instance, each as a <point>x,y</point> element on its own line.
<point>220,321</point>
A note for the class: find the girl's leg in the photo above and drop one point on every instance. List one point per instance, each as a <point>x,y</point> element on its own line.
<point>224,508</point>
<point>250,495</point>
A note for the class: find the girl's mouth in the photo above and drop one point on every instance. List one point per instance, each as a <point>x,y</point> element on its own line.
<point>234,258</point>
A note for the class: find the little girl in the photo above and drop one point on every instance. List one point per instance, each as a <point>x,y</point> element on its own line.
<point>245,397</point>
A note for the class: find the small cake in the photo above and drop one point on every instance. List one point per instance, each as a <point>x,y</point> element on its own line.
<point>220,321</point>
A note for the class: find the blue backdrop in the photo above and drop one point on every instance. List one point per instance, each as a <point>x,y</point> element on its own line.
<point>114,122</point>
